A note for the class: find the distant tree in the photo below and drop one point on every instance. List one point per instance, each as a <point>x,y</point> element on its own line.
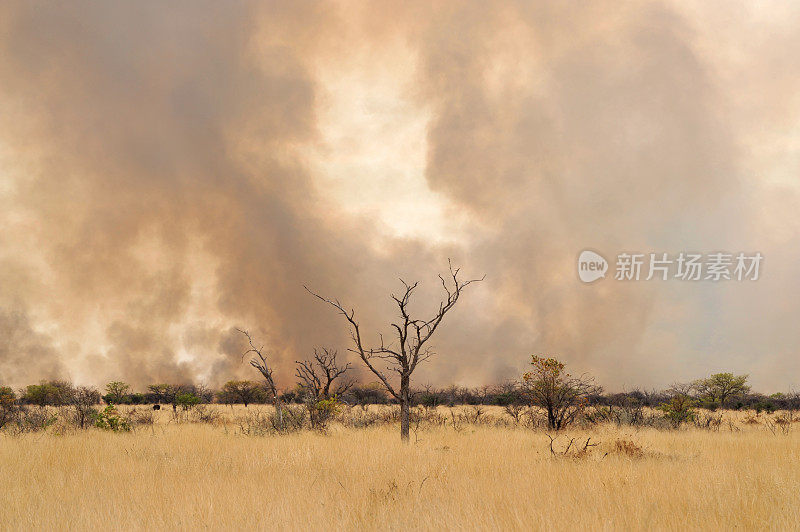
<point>317,376</point>
<point>84,399</point>
<point>507,393</point>
<point>137,398</point>
<point>117,392</point>
<point>792,403</point>
<point>412,335</point>
<point>163,393</point>
<point>36,394</point>
<point>369,394</point>
<point>560,394</point>
<point>8,405</point>
<point>202,391</point>
<point>430,397</point>
<point>52,393</point>
<point>720,387</point>
<point>186,400</point>
<point>245,392</point>
<point>7,396</point>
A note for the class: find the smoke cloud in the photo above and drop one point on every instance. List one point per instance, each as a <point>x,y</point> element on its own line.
<point>169,172</point>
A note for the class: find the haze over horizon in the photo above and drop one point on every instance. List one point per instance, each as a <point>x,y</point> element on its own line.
<point>171,171</point>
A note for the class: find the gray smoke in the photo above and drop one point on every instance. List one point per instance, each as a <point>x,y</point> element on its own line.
<point>159,189</point>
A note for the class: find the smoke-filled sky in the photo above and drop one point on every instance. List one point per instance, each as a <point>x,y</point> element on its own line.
<point>171,171</point>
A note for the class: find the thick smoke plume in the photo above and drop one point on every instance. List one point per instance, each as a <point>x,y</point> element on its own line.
<point>169,172</point>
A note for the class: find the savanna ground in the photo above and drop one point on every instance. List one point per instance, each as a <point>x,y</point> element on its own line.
<point>462,473</point>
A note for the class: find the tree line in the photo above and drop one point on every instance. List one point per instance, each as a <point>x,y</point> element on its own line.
<point>718,391</point>
<point>322,382</point>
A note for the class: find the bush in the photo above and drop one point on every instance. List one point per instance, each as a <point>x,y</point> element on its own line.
<point>260,423</point>
<point>562,395</point>
<point>110,419</point>
<point>764,406</point>
<point>34,420</point>
<point>321,411</point>
<point>430,400</point>
<point>294,419</point>
<point>83,400</point>
<point>138,399</point>
<point>204,414</point>
<point>679,409</point>
<point>187,401</point>
<point>141,416</point>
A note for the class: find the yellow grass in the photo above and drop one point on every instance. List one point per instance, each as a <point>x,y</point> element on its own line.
<point>190,476</point>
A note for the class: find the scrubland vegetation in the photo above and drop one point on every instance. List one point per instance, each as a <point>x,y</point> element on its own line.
<point>465,467</point>
<point>550,450</point>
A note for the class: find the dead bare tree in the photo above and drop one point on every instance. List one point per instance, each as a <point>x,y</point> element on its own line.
<point>259,361</point>
<point>412,339</point>
<point>318,375</point>
<point>317,378</point>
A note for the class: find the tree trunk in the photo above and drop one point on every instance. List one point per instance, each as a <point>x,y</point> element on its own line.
<point>279,412</point>
<point>405,406</point>
<point>551,418</point>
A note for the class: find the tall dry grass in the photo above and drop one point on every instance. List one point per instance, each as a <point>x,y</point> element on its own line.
<point>174,475</point>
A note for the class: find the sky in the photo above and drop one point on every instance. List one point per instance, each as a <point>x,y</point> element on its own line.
<point>172,172</point>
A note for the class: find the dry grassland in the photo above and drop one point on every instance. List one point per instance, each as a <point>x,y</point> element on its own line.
<point>183,476</point>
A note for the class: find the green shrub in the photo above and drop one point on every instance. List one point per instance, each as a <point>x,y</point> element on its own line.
<point>679,409</point>
<point>187,401</point>
<point>110,419</point>
<point>321,411</point>
<point>764,406</point>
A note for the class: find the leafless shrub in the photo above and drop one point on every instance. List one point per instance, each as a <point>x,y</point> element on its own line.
<point>778,425</point>
<point>533,418</point>
<point>358,417</point>
<point>32,420</point>
<point>261,423</point>
<point>204,414</point>
<point>474,414</point>
<point>456,421</point>
<point>255,423</point>
<point>84,399</point>
<point>433,418</point>
<point>515,411</point>
<point>708,421</point>
<point>141,417</point>
<point>784,420</point>
<point>572,449</point>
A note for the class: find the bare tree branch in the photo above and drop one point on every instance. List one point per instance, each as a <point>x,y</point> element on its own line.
<point>412,336</point>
